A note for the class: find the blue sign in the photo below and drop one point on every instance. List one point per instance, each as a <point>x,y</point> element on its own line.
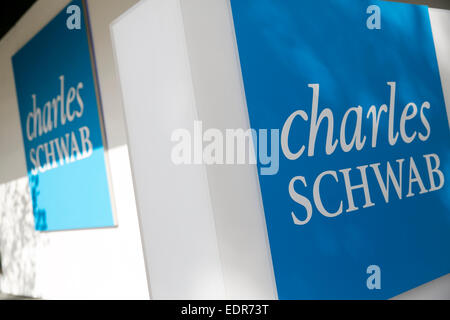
<point>61,127</point>
<point>359,207</point>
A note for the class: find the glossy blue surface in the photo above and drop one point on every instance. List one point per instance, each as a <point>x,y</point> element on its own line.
<point>284,46</point>
<point>74,194</point>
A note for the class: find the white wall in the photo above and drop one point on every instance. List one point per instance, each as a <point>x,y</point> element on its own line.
<point>173,201</point>
<point>173,71</point>
<point>105,263</point>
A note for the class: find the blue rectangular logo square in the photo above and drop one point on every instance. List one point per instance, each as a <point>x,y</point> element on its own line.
<point>358,207</point>
<point>59,111</point>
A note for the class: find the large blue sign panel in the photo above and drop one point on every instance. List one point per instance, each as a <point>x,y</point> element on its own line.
<point>360,205</point>
<point>61,126</point>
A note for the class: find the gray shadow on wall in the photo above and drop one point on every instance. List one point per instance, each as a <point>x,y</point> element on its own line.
<point>18,240</point>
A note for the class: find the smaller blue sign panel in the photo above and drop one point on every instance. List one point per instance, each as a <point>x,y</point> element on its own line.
<point>359,205</point>
<point>61,126</point>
